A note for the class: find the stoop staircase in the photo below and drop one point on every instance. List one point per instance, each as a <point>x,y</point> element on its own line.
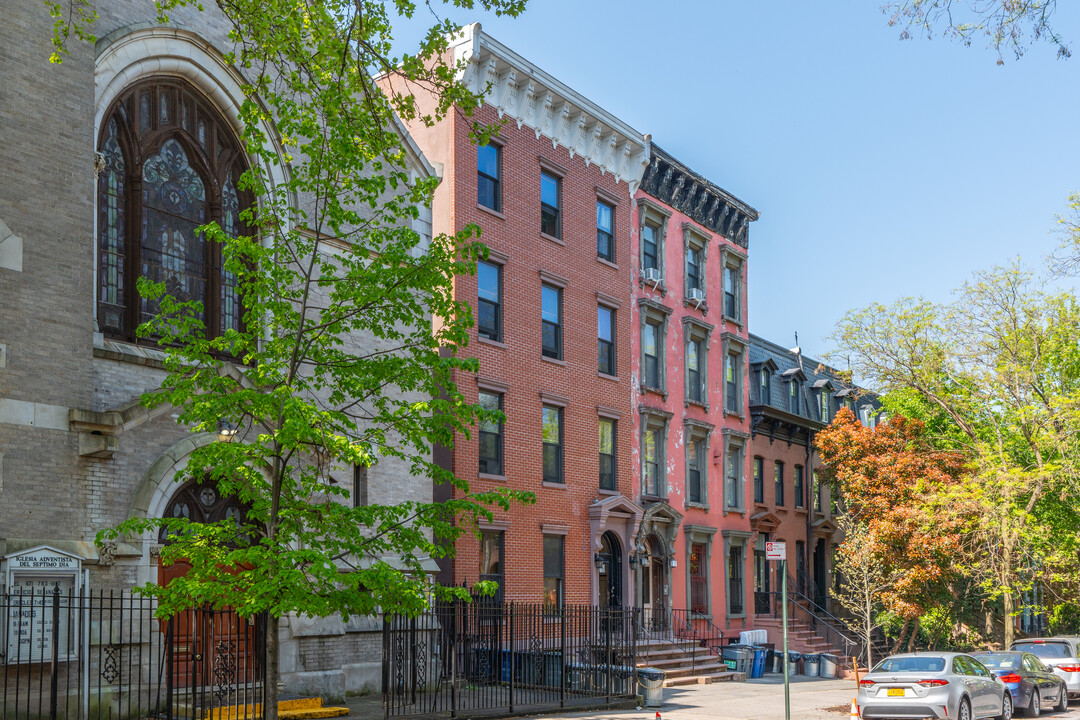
<point>684,664</point>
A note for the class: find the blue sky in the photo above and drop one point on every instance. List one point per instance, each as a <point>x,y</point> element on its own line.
<point>882,168</point>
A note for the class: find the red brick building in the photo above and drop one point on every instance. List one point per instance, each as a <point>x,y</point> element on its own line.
<point>691,426</point>
<point>553,195</point>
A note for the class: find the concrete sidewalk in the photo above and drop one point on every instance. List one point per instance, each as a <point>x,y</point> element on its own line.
<point>761,699</point>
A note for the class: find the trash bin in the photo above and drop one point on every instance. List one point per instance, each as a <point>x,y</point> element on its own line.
<point>811,664</point>
<point>794,660</point>
<point>829,665</point>
<point>652,685</point>
<point>770,655</point>
<point>778,662</point>
<point>735,657</point>
<point>757,667</point>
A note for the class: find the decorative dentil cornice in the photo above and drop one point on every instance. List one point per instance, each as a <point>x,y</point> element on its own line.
<point>712,207</point>
<point>517,88</point>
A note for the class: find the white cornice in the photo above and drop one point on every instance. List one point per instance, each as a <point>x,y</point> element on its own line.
<point>516,87</point>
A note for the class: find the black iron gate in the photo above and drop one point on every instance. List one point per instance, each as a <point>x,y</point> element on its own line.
<point>105,656</point>
<point>511,657</point>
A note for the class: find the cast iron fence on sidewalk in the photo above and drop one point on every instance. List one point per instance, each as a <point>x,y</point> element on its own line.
<point>104,656</point>
<point>489,656</point>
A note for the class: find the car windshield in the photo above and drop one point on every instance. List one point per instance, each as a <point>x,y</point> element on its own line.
<point>1045,650</point>
<point>910,664</point>
<point>1000,662</point>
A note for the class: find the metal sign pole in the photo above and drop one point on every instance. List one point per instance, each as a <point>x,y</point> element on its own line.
<point>783,615</point>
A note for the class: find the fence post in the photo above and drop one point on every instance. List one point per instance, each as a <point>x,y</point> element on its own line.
<point>607,652</point>
<point>513,655</point>
<point>562,654</point>
<point>55,651</point>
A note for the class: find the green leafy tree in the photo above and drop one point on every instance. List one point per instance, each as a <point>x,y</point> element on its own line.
<point>865,576</point>
<point>1000,364</point>
<point>337,363</point>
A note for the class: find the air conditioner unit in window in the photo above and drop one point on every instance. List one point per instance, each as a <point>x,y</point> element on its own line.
<point>697,295</point>
<point>652,275</point>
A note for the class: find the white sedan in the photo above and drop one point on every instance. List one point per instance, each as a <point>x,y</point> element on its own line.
<point>942,685</point>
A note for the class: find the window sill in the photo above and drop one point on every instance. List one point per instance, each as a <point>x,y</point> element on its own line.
<point>605,376</point>
<point>128,352</point>
<point>645,497</point>
<point>781,508</point>
<point>609,493</point>
<point>703,307</point>
<point>701,616</point>
<point>490,211</point>
<point>800,511</point>
<point>735,511</point>
<point>609,263</point>
<point>659,287</point>
<point>493,343</point>
<point>729,413</point>
<point>696,506</point>
<point>655,391</point>
<point>489,476</point>
<point>736,616</point>
<point>733,321</point>
<point>549,484</point>
<point>687,402</point>
<point>552,238</point>
<point>553,361</point>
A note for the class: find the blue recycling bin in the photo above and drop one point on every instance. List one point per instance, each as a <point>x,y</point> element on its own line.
<point>757,669</point>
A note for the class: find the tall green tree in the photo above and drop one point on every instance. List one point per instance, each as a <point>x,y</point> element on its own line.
<point>337,363</point>
<point>1000,362</point>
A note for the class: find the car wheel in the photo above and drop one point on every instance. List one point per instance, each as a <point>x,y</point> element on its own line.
<point>1006,707</point>
<point>1063,700</point>
<point>1035,706</point>
<point>965,710</point>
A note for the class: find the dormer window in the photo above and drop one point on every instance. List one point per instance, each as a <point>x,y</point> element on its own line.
<point>793,397</point>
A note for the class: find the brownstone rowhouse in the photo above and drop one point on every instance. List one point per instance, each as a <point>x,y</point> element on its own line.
<point>77,452</point>
<point>552,194</point>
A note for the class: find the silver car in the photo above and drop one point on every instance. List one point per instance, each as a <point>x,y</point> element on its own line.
<point>933,685</point>
<point>1062,654</point>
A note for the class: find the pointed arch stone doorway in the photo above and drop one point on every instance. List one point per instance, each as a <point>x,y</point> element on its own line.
<point>214,657</point>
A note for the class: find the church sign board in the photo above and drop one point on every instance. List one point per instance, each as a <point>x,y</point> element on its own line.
<point>31,578</point>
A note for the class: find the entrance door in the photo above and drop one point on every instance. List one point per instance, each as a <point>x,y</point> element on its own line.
<point>762,598</point>
<point>610,587</point>
<point>655,585</point>
<point>820,585</point>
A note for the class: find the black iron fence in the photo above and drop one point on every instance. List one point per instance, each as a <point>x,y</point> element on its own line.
<point>511,657</point>
<point>105,656</point>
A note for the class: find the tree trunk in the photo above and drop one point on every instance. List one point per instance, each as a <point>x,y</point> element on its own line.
<point>913,635</point>
<point>1008,598</point>
<point>273,670</point>
<point>1010,608</point>
<point>900,638</point>
<point>869,619</point>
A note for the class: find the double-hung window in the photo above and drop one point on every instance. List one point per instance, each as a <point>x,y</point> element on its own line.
<point>488,176</point>
<point>491,436</point>
<point>652,229</point>
<point>650,247</point>
<point>607,454</point>
<point>694,280</point>
<point>550,204</point>
<point>798,489</point>
<point>732,400</point>
<point>654,317</point>
<point>731,263</point>
<point>695,380</point>
<point>815,489</point>
<point>696,434</point>
<point>554,547</point>
<point>605,333</point>
<point>489,300</point>
<point>551,318</point>
<point>733,476</point>
<point>759,480</point>
<point>491,559</point>
<point>650,350</point>
<point>653,442</point>
<point>735,580</point>
<point>605,231</point>
<point>778,476</point>
<point>695,249</point>
<point>553,440</point>
<point>693,471</point>
<point>793,397</point>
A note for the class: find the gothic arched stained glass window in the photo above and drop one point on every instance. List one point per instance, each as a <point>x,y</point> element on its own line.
<point>171,164</point>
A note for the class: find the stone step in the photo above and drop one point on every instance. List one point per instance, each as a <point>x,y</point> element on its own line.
<point>725,676</point>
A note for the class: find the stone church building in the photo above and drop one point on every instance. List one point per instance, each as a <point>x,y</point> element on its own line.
<point>81,141</point>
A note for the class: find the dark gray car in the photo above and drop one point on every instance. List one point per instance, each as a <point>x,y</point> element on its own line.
<point>1034,687</point>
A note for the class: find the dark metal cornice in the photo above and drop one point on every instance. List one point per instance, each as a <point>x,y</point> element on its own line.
<point>676,185</point>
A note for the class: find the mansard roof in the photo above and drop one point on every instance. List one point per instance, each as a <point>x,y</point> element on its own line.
<point>516,87</point>
<point>714,208</point>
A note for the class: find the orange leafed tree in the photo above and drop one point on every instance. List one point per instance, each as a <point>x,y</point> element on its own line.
<point>888,478</point>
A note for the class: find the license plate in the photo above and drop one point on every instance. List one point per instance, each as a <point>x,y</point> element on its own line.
<point>895,692</point>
